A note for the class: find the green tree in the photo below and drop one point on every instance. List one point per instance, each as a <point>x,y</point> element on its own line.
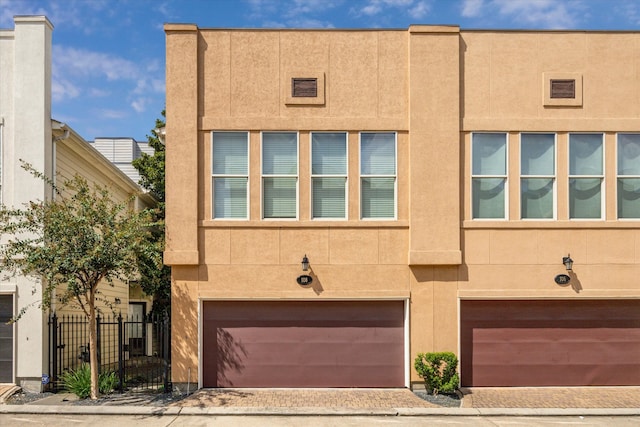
<point>75,242</point>
<point>155,279</point>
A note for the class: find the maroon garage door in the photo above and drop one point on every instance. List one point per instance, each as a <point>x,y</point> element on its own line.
<point>550,343</point>
<point>303,344</point>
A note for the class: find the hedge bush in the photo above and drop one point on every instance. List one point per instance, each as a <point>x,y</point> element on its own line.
<point>439,371</point>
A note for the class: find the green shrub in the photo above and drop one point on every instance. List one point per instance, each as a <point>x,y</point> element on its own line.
<point>78,382</point>
<point>107,382</point>
<point>439,371</point>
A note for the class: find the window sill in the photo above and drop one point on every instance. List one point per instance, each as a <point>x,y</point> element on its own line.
<point>303,224</point>
<point>551,224</point>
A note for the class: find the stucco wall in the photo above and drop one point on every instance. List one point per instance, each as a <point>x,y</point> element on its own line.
<point>503,84</point>
<point>434,86</point>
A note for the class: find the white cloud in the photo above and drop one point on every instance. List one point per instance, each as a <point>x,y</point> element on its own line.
<point>629,11</point>
<point>93,74</point>
<point>552,14</point>
<point>140,104</point>
<point>11,8</point>
<point>113,114</point>
<point>261,8</point>
<point>372,9</point>
<point>416,9</point>
<point>98,93</point>
<point>544,13</point>
<point>80,14</point>
<point>293,14</point>
<point>308,23</point>
<point>419,10</point>
<point>472,8</point>
<point>82,62</point>
<point>62,90</point>
<point>311,6</point>
<point>158,85</point>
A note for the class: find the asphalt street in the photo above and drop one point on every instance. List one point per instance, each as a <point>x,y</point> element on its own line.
<point>19,420</point>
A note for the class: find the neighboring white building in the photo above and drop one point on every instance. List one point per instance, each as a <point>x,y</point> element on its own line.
<point>25,134</point>
<point>28,133</point>
<point>121,151</point>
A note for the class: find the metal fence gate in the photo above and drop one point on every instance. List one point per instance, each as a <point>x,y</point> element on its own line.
<point>136,349</point>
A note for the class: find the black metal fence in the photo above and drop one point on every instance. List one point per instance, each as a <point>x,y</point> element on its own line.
<point>136,349</point>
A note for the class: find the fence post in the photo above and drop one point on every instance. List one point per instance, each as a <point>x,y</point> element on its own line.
<point>98,342</point>
<point>165,353</point>
<point>120,354</point>
<point>53,351</point>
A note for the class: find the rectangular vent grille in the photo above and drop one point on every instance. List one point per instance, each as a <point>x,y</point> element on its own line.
<point>563,89</point>
<point>304,88</point>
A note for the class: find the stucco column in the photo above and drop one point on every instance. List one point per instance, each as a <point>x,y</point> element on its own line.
<point>29,139</point>
<point>434,196</point>
<point>181,145</point>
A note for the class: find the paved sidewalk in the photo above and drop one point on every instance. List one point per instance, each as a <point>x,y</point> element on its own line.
<point>552,397</point>
<point>564,401</point>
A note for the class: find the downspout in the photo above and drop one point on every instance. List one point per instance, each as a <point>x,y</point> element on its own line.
<point>54,173</point>
<point>65,135</point>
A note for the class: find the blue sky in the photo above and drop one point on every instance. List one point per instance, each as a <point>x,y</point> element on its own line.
<point>108,55</point>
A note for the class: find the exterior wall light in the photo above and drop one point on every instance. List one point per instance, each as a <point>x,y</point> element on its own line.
<point>568,262</point>
<point>305,279</point>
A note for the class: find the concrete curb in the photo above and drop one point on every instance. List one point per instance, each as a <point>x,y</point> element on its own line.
<point>310,411</point>
<point>524,412</point>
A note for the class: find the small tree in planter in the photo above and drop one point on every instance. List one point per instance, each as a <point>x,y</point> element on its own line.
<point>73,243</point>
<point>438,371</point>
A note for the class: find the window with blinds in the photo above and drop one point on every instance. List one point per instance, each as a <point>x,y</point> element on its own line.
<point>230,174</point>
<point>329,175</point>
<point>537,175</point>
<point>586,174</point>
<point>488,175</point>
<point>378,175</point>
<point>279,175</point>
<point>628,177</point>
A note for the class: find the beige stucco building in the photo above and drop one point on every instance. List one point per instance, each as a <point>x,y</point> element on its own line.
<point>435,179</point>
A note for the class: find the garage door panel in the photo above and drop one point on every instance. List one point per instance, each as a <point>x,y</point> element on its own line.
<point>303,344</point>
<point>545,343</point>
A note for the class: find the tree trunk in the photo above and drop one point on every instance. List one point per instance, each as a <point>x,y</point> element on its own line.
<point>93,347</point>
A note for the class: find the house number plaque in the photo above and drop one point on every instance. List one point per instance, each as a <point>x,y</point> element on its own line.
<point>562,279</point>
<point>304,280</point>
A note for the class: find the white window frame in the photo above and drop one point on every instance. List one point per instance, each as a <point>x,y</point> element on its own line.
<point>601,177</point>
<point>263,175</point>
<point>554,177</point>
<point>214,176</point>
<point>394,176</point>
<point>618,176</point>
<point>505,177</point>
<point>345,176</point>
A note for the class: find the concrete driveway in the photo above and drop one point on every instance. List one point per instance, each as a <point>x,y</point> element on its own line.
<point>308,398</point>
<point>551,397</point>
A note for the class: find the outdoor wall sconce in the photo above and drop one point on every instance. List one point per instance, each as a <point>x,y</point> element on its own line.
<point>564,279</point>
<point>118,301</point>
<point>305,279</point>
<point>568,262</point>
